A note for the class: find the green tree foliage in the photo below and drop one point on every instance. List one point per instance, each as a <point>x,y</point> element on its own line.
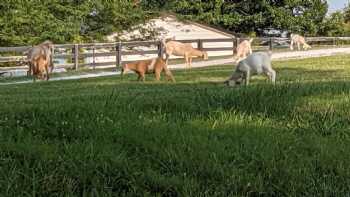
<point>32,21</point>
<point>335,25</point>
<point>303,16</point>
<point>347,13</point>
<point>105,17</point>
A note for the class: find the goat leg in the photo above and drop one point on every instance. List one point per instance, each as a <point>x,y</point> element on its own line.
<point>273,76</point>
<point>47,73</point>
<point>167,58</point>
<point>246,77</point>
<point>190,58</point>
<point>169,74</point>
<point>157,73</point>
<point>187,61</point>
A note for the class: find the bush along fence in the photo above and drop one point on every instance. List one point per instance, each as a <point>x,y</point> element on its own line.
<point>75,55</point>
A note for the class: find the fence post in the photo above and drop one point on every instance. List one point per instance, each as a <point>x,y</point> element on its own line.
<point>236,43</point>
<point>76,56</point>
<point>233,45</point>
<point>93,58</point>
<point>160,49</point>
<point>200,44</point>
<point>52,57</point>
<point>271,44</point>
<point>118,54</point>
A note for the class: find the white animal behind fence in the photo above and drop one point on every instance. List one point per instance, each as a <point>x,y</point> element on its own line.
<point>243,49</point>
<point>298,40</point>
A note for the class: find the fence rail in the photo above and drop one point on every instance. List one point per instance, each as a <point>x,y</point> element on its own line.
<point>76,52</point>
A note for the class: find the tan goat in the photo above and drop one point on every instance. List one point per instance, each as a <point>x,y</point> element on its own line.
<point>299,40</point>
<point>40,60</point>
<point>183,49</point>
<point>142,67</point>
<point>243,50</point>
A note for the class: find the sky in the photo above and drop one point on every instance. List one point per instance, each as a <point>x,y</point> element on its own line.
<point>337,4</point>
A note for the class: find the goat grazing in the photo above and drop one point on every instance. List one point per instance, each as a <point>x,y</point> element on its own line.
<point>185,50</point>
<point>255,64</point>
<point>156,65</point>
<point>298,40</point>
<point>40,60</point>
<point>243,49</point>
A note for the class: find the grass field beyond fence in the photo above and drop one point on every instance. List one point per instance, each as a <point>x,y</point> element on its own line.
<point>118,137</point>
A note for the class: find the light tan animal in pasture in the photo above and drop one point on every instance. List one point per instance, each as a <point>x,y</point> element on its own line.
<point>142,67</point>
<point>243,50</point>
<point>298,40</point>
<point>183,49</point>
<point>40,62</point>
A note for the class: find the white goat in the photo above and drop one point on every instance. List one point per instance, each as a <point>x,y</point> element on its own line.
<point>298,39</point>
<point>255,64</point>
<point>243,49</point>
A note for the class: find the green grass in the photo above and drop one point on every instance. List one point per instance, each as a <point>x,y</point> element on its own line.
<point>118,137</point>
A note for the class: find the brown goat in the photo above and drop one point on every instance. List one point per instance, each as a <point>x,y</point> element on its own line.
<point>40,60</point>
<point>156,65</point>
<point>40,68</point>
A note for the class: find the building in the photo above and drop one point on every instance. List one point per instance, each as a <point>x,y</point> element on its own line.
<point>168,27</point>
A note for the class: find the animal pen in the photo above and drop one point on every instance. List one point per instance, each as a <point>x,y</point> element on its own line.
<point>75,56</point>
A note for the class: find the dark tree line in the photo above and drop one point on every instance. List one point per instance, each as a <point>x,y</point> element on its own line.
<point>244,16</point>
<point>32,21</point>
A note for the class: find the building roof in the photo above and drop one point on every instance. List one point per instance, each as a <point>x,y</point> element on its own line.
<point>169,26</point>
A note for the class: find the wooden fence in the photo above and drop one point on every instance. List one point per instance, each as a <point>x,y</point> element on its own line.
<point>120,49</point>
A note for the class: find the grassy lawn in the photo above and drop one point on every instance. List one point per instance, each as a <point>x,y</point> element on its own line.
<point>118,137</point>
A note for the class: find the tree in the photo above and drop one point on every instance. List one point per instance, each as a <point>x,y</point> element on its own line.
<point>347,13</point>
<point>301,16</point>
<point>335,25</point>
<point>31,22</point>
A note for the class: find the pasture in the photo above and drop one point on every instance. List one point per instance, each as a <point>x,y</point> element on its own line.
<point>118,137</point>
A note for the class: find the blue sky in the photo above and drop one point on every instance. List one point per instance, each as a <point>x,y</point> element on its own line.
<point>337,4</point>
